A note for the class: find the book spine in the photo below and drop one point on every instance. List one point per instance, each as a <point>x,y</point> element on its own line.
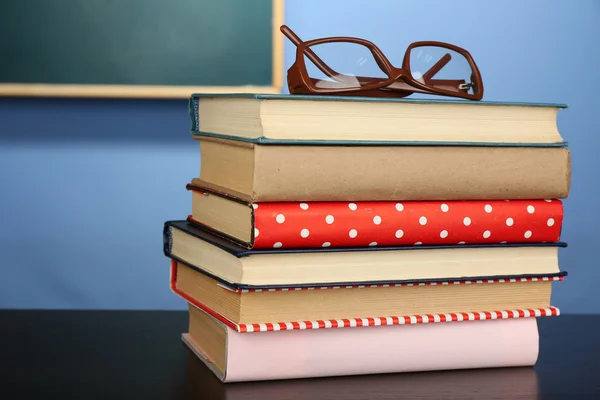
<point>193,113</point>
<point>346,224</point>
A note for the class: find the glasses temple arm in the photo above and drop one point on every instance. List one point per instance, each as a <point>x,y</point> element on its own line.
<point>437,67</point>
<point>290,34</point>
<point>309,53</point>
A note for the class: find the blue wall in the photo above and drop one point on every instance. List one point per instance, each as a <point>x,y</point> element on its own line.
<point>87,184</point>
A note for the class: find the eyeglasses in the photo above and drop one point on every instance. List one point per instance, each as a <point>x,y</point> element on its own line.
<point>365,71</point>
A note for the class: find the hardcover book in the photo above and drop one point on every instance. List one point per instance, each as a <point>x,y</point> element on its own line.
<point>245,268</point>
<point>300,119</point>
<point>237,357</point>
<point>369,223</point>
<point>272,173</point>
<point>259,306</point>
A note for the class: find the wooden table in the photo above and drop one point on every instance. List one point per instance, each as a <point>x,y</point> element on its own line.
<point>139,355</point>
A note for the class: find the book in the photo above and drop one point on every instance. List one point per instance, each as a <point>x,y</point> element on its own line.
<point>275,172</point>
<point>332,119</point>
<point>237,357</point>
<point>247,268</point>
<point>247,307</point>
<point>367,223</point>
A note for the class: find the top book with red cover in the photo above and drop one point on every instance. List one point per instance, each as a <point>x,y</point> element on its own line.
<point>375,223</point>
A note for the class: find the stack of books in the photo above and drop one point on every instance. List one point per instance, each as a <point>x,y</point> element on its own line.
<point>345,235</point>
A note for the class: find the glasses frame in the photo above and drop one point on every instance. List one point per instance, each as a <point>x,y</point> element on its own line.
<point>400,82</point>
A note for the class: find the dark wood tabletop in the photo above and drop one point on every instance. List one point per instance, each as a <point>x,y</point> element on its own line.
<point>139,355</point>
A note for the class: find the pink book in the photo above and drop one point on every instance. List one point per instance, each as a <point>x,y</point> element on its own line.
<point>257,356</point>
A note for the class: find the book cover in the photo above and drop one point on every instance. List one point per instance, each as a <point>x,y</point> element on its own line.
<point>383,173</point>
<point>374,350</point>
<point>266,96</point>
<point>379,223</point>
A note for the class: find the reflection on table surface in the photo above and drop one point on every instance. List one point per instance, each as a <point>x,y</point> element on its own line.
<point>496,383</point>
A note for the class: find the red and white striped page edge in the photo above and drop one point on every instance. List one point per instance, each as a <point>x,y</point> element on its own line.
<point>403,320</point>
<point>459,282</point>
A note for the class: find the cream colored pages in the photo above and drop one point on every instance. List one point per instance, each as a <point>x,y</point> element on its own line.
<point>312,118</point>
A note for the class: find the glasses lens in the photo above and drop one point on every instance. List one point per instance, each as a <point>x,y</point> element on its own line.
<point>338,65</point>
<point>442,68</point>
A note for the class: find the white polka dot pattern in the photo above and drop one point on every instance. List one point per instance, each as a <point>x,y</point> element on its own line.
<point>340,224</point>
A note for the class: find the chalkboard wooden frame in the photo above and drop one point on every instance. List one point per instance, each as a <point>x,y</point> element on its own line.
<point>158,91</point>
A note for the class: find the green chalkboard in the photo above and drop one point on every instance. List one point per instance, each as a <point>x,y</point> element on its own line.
<point>162,48</point>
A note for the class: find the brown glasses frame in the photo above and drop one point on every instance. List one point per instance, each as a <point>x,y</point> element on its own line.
<point>400,82</point>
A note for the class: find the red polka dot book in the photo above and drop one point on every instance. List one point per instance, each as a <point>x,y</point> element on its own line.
<point>332,236</point>
<point>375,223</point>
